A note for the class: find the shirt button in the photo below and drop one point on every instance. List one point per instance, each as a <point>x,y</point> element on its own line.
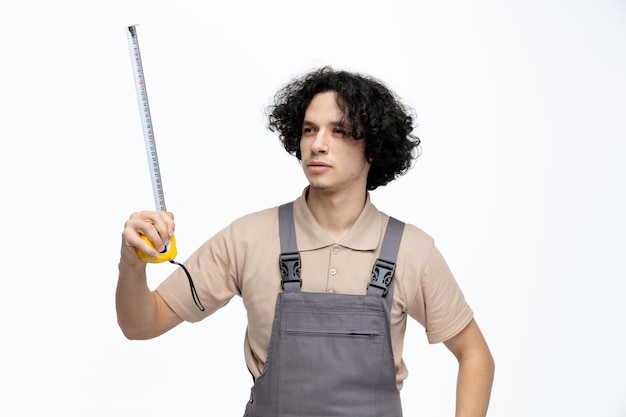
<point>335,250</point>
<point>333,271</point>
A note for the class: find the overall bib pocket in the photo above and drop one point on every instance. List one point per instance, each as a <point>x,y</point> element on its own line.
<point>332,356</point>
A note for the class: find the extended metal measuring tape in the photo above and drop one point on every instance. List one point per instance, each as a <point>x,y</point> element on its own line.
<point>148,133</point>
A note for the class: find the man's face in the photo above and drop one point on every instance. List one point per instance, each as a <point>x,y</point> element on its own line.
<point>331,158</point>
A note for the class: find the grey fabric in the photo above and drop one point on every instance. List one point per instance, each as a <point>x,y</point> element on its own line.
<point>330,355</point>
<point>287,227</point>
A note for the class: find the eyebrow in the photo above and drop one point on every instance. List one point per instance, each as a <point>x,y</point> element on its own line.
<point>338,123</point>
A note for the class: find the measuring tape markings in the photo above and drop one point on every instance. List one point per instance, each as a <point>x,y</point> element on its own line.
<point>151,151</point>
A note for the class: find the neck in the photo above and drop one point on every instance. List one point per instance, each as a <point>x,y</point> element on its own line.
<point>336,213</point>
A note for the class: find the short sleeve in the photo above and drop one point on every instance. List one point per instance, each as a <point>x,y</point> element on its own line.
<point>212,269</point>
<point>444,312</point>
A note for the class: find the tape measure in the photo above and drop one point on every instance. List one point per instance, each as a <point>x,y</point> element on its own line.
<point>169,253</point>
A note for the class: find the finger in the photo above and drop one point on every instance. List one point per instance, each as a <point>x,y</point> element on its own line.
<point>157,226</point>
<point>141,224</point>
<point>132,243</point>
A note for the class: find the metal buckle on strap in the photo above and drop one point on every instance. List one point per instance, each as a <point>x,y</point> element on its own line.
<point>290,268</point>
<point>382,273</point>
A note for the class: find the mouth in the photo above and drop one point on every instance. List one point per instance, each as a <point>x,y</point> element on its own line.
<point>317,166</point>
<point>321,164</point>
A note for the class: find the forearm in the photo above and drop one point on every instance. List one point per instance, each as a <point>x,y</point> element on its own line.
<point>474,383</point>
<point>134,302</point>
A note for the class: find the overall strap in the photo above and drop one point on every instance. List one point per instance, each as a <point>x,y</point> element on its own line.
<point>289,260</point>
<point>385,265</point>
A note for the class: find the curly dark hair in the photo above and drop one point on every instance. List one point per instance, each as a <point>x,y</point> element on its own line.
<point>377,115</point>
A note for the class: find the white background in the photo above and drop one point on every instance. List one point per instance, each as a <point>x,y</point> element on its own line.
<point>521,108</point>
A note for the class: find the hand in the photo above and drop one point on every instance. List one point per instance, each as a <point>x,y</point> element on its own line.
<point>157,226</point>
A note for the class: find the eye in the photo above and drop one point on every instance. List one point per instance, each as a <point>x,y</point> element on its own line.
<point>341,132</point>
<point>307,130</point>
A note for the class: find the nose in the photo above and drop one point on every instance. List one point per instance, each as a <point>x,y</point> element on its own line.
<point>320,142</point>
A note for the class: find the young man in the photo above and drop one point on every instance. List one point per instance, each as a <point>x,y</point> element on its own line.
<point>328,281</point>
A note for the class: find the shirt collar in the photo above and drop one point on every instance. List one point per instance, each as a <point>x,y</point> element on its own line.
<point>365,234</point>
